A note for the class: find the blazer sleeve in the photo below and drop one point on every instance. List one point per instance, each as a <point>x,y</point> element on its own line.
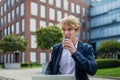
<point>85,60</point>
<point>49,69</point>
<point>51,64</point>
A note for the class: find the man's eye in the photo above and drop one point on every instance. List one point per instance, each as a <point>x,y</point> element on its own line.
<point>63,30</point>
<point>69,29</point>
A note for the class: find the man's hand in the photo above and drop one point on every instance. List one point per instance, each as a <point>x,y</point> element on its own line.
<point>68,44</point>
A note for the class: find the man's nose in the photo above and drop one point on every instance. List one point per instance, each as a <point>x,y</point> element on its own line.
<point>66,32</point>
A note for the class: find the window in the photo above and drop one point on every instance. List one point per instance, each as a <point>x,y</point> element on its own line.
<point>65,4</point>
<point>0,22</point>
<point>51,2</point>
<point>58,3</point>
<point>8,30</point>
<point>88,36</point>
<point>42,24</point>
<point>83,11</point>
<point>4,20</point>
<point>78,19</point>
<point>23,57</point>
<point>51,14</point>
<point>12,29</point>
<point>5,31</point>
<point>34,8</point>
<point>72,7</point>
<point>33,41</point>
<point>9,17</point>
<point>32,25</point>
<point>17,27</point>
<point>17,12</point>
<point>23,25</point>
<point>12,2</point>
<point>22,36</point>
<point>88,24</point>
<point>77,9</point>
<point>13,14</point>
<point>43,1</point>
<point>84,35</point>
<point>50,24</point>
<point>17,1</point>
<point>43,11</point>
<point>5,7</point>
<point>22,9</point>
<point>42,57</point>
<point>1,10</point>
<point>65,14</point>
<point>83,23</point>
<point>59,15</point>
<point>8,4</point>
<point>33,56</point>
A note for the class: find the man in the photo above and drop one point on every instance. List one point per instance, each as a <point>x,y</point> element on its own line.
<point>72,56</point>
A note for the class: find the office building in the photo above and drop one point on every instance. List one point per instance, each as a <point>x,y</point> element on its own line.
<point>24,17</point>
<point>104,21</point>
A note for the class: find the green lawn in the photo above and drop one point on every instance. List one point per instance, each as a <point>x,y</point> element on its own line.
<point>110,72</point>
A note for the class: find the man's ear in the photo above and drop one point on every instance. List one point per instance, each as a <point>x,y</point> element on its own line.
<point>78,30</point>
<point>78,33</point>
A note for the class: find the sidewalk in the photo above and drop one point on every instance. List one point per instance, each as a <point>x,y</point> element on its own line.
<point>25,74</point>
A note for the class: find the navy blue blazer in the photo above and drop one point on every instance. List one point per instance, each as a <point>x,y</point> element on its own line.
<point>84,61</point>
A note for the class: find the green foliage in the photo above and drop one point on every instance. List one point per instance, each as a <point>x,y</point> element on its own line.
<point>107,63</point>
<point>48,36</point>
<point>109,73</point>
<point>108,46</point>
<point>12,43</point>
<point>28,65</point>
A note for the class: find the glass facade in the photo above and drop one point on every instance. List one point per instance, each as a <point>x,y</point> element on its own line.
<point>105,22</point>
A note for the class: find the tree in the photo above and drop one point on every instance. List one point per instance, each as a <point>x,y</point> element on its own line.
<point>48,36</point>
<point>12,43</point>
<point>109,46</point>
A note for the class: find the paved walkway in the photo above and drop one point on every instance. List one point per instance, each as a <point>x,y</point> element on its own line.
<point>25,74</point>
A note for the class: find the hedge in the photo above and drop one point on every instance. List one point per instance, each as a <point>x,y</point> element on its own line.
<point>29,64</point>
<point>107,63</point>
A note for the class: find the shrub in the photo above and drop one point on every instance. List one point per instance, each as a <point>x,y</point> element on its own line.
<point>30,64</point>
<point>1,65</point>
<point>24,64</point>
<point>107,63</point>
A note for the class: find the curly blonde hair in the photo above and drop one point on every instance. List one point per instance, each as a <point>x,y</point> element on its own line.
<point>70,21</point>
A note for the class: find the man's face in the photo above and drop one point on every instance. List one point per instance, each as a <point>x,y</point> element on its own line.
<point>69,32</point>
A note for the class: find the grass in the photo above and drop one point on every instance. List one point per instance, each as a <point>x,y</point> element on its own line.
<point>0,66</point>
<point>109,72</point>
<point>35,66</point>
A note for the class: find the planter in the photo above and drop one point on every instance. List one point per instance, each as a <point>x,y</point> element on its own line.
<point>12,65</point>
<point>44,66</point>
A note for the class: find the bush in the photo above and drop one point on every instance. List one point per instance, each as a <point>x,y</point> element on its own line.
<point>30,64</point>
<point>107,63</point>
<point>1,65</point>
<point>24,64</point>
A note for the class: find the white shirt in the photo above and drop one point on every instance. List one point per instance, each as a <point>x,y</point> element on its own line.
<point>67,64</point>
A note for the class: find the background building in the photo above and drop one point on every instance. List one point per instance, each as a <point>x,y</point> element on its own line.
<point>24,17</point>
<point>104,21</point>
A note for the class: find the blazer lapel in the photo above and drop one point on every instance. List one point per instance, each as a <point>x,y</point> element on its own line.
<point>58,57</point>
